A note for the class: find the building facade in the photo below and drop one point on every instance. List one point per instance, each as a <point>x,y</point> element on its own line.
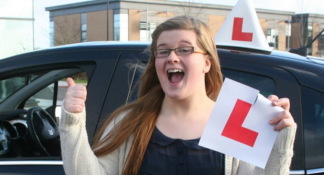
<point>128,20</point>
<point>16,27</point>
<point>305,29</point>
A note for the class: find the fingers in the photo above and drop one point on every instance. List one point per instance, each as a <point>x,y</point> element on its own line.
<point>75,97</point>
<point>77,92</point>
<point>74,106</point>
<point>283,102</point>
<point>70,82</point>
<point>284,118</point>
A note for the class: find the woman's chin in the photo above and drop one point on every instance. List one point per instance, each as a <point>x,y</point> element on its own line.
<point>174,96</point>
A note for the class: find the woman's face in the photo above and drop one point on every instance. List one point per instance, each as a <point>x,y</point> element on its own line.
<point>181,76</point>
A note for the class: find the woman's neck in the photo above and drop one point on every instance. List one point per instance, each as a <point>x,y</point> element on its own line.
<point>186,106</point>
<point>184,119</point>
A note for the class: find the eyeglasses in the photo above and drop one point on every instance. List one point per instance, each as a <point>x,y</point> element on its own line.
<point>162,53</point>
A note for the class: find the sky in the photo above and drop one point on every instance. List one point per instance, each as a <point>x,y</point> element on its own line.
<point>41,25</point>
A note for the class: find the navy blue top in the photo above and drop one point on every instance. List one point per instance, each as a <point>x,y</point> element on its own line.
<point>167,156</point>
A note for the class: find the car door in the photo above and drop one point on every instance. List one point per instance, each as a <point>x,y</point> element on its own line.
<point>123,88</point>
<point>269,80</point>
<point>313,119</point>
<point>45,90</point>
<point>40,82</point>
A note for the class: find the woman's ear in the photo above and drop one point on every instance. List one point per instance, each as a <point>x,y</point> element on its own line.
<point>207,64</point>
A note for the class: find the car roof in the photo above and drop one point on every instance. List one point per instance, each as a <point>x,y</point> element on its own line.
<point>316,59</point>
<point>103,44</point>
<point>114,45</point>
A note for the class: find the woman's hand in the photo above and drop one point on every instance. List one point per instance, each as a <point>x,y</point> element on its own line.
<point>284,118</point>
<point>75,97</point>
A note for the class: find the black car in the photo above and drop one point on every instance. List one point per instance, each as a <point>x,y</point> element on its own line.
<point>32,87</point>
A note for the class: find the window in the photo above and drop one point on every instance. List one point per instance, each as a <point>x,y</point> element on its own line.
<point>121,27</point>
<point>84,27</point>
<point>309,39</point>
<point>265,85</point>
<point>146,30</point>
<point>272,38</point>
<point>10,86</point>
<point>44,98</point>
<point>51,33</point>
<point>32,103</point>
<point>321,45</point>
<point>288,35</point>
<point>133,77</point>
<point>313,118</point>
<point>84,36</point>
<point>143,32</point>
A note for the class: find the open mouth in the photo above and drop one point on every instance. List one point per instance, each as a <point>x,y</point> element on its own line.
<point>175,75</point>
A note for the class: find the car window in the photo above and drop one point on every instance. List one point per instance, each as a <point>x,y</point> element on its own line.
<point>134,75</point>
<point>45,97</point>
<point>313,118</point>
<point>10,86</point>
<point>37,93</point>
<point>265,85</point>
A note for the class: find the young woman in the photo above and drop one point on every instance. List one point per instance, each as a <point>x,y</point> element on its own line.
<point>159,133</point>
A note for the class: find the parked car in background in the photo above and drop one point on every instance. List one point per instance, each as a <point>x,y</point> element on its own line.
<point>29,104</point>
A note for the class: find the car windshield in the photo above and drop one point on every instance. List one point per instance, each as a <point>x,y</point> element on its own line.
<point>9,86</point>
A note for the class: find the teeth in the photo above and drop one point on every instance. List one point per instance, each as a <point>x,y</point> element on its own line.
<point>175,71</point>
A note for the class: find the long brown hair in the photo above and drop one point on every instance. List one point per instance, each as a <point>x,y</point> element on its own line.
<point>141,115</point>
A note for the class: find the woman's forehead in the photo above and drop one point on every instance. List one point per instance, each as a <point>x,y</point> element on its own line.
<point>176,37</point>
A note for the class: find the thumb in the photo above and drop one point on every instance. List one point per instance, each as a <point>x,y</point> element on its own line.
<point>70,82</point>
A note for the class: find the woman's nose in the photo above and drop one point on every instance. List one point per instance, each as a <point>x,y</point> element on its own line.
<point>173,57</point>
